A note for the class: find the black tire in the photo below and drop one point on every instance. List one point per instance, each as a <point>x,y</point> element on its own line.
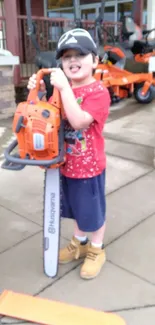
<point>150,95</point>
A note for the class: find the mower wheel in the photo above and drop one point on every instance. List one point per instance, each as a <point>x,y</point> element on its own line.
<point>149,96</point>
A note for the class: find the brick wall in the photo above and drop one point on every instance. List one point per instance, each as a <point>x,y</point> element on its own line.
<point>7,92</point>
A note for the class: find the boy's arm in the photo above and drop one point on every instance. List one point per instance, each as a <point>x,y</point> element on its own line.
<point>78,118</point>
<point>95,107</point>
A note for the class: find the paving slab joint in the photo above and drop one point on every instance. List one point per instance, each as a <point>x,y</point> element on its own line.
<point>154,159</point>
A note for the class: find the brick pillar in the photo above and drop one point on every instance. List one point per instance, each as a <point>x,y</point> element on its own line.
<point>7,93</point>
<point>12,36</point>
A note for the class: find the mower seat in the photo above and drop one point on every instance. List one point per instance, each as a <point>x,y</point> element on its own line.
<point>141,47</point>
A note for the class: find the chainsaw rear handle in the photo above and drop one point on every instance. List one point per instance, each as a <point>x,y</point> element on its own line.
<point>33,93</point>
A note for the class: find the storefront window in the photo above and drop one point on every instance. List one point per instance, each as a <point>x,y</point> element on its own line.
<point>124,9</point>
<point>109,13</point>
<point>90,8</point>
<point>60,8</point>
<point>68,13</point>
<point>88,14</point>
<point>55,4</point>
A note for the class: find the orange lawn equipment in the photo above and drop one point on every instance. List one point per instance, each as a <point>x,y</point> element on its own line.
<point>137,40</point>
<point>144,58</point>
<point>133,45</point>
<point>119,52</point>
<point>117,71</point>
<point>122,83</point>
<point>47,312</point>
<point>121,65</point>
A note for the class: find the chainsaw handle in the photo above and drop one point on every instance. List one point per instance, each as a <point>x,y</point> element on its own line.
<point>33,94</point>
<point>15,160</point>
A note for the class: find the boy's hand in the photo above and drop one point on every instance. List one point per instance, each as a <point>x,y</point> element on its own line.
<point>58,79</point>
<point>32,83</point>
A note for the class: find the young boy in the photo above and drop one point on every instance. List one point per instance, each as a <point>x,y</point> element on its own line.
<point>86,103</point>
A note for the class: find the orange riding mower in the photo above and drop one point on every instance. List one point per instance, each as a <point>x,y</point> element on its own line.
<point>134,45</point>
<point>137,40</point>
<point>144,49</point>
<point>123,84</point>
<point>123,76</point>
<point>39,131</point>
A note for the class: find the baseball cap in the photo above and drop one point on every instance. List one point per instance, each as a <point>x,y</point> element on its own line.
<point>77,39</point>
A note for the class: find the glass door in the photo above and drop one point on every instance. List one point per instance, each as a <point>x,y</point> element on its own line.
<point>88,13</point>
<point>110,16</point>
<point>109,13</point>
<point>124,9</point>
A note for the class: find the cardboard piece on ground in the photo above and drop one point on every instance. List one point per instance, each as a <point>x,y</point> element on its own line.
<point>43,311</point>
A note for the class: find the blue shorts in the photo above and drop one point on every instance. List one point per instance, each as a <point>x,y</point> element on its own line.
<point>84,201</point>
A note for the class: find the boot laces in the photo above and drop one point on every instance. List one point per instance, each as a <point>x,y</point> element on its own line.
<point>73,248</point>
<point>92,255</point>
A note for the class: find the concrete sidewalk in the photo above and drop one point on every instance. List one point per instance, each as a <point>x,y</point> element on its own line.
<point>126,284</point>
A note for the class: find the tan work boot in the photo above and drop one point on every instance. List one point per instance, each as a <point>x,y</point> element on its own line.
<point>93,263</point>
<point>73,251</point>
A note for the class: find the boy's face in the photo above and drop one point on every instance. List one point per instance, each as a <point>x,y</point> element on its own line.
<point>78,67</point>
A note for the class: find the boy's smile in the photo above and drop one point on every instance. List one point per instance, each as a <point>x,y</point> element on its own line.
<point>74,59</point>
<point>78,67</point>
<point>74,68</point>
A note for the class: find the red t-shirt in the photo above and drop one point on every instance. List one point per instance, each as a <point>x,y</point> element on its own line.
<point>85,154</point>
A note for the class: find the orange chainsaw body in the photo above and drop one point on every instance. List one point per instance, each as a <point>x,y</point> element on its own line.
<point>36,125</point>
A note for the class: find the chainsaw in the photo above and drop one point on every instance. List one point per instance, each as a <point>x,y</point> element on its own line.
<point>39,131</point>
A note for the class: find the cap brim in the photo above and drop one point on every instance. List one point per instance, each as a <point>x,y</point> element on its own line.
<point>71,47</point>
